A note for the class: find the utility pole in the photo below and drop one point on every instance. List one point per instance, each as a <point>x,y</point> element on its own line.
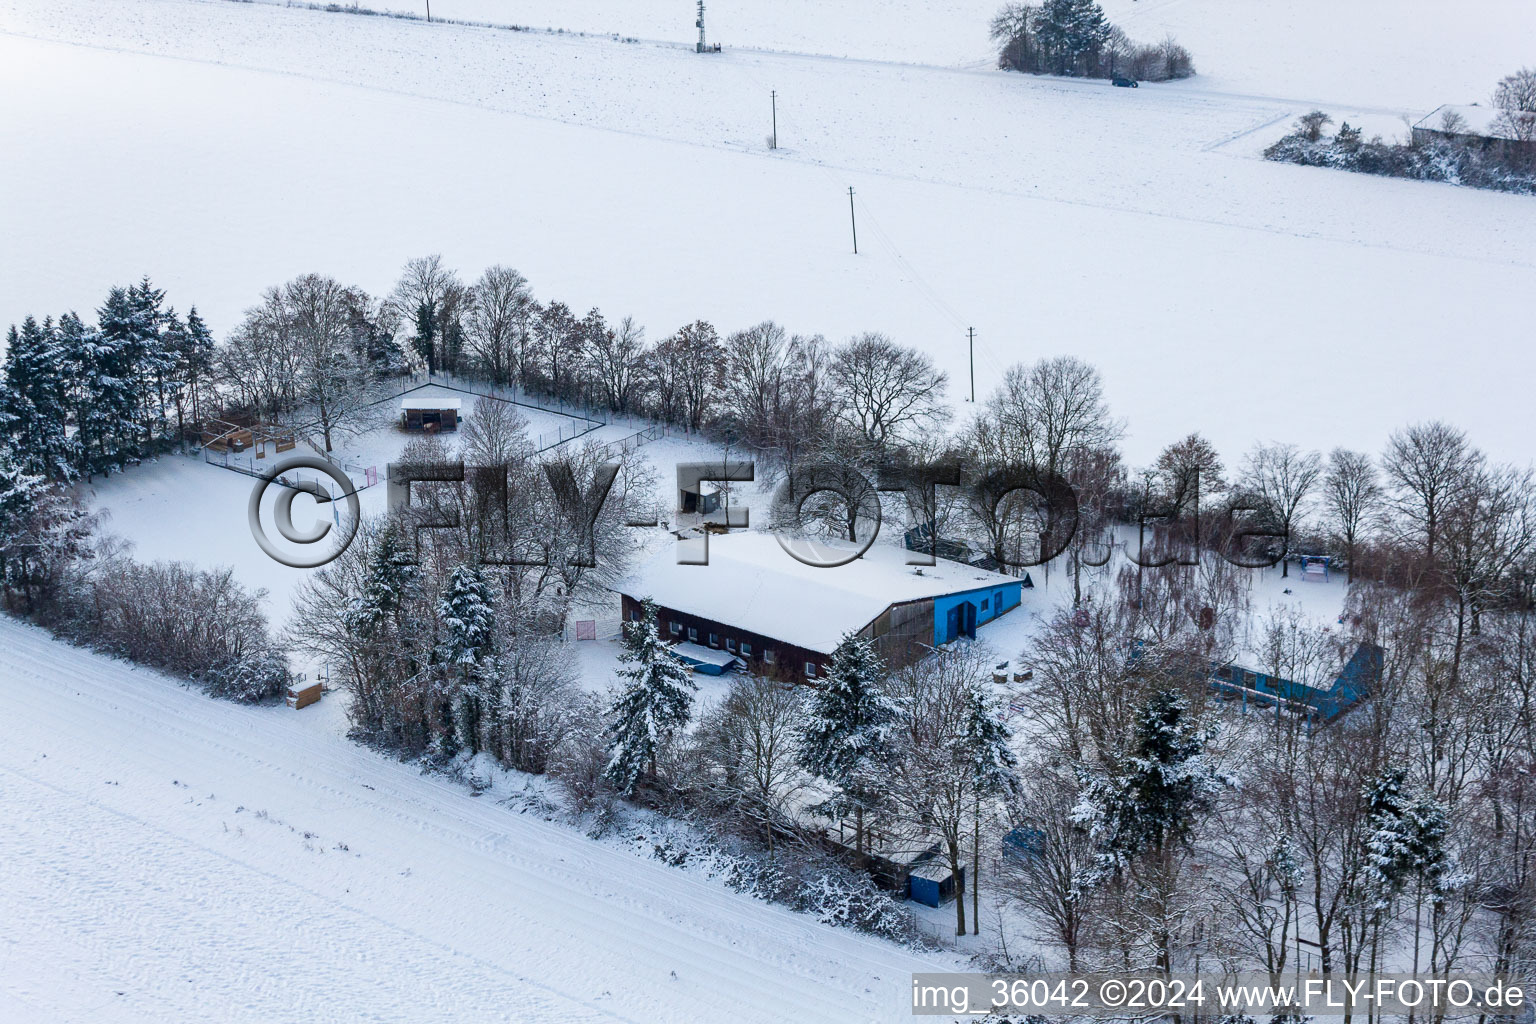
<point>702,47</point>
<point>773,97</point>
<point>429,12</point>
<point>971,333</point>
<point>854,220</point>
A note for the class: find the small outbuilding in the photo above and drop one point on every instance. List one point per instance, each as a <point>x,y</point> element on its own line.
<point>1474,125</point>
<point>931,883</point>
<point>430,414</point>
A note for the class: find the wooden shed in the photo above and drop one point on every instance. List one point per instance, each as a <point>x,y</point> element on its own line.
<point>301,694</point>
<point>430,414</point>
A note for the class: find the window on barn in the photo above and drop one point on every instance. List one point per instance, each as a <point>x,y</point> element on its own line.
<point>985,602</point>
<point>634,615</point>
<point>693,634</point>
<point>714,640</point>
<point>675,628</point>
<point>768,655</point>
<point>810,670</point>
<point>746,649</point>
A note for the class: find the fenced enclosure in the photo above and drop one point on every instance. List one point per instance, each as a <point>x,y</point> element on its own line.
<point>362,477</point>
<point>578,420</point>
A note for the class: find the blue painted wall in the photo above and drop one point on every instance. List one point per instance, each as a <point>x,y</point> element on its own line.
<point>998,599</point>
<point>1354,683</point>
<point>931,893</point>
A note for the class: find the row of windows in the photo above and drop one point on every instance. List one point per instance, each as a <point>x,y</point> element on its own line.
<point>676,629</point>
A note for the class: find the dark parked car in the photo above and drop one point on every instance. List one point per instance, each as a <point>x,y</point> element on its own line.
<point>1125,83</point>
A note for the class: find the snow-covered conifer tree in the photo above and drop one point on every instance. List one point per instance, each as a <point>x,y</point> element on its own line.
<point>384,646</point>
<point>657,700</point>
<point>390,579</point>
<point>108,362</point>
<point>1407,837</point>
<point>466,613</point>
<point>34,402</point>
<point>197,360</point>
<point>994,773</point>
<point>20,492</point>
<point>1151,798</point>
<point>847,737</point>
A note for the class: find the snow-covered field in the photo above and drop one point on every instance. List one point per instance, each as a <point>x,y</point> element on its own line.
<point>1217,292</point>
<point>251,864</point>
<point>1365,51</point>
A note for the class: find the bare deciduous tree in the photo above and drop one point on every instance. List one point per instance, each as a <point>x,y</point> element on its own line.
<point>1351,493</point>
<point>615,359</point>
<point>429,300</point>
<point>1515,96</point>
<point>497,321</point>
<point>887,393</point>
<point>1048,409</point>
<point>1427,465</point>
<point>1283,477</point>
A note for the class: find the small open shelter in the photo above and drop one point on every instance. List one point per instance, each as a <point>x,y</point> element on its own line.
<point>430,413</point>
<point>224,436</point>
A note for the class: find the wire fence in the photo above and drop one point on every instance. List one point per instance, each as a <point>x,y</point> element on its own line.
<point>625,445</point>
<point>578,421</point>
<point>362,477</point>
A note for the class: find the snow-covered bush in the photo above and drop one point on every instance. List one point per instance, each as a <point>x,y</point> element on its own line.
<point>197,623</point>
<point>250,676</point>
<point>1455,163</point>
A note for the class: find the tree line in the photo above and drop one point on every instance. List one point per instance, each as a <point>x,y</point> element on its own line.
<point>1074,37</point>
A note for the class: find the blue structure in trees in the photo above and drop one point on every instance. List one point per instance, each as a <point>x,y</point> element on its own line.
<point>1354,683</point>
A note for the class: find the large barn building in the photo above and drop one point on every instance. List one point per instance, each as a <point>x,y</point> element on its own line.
<point>756,602</point>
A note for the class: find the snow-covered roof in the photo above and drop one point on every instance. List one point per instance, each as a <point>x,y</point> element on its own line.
<point>934,869</point>
<point>754,584</point>
<point>703,655</point>
<point>1487,122</point>
<point>432,403</point>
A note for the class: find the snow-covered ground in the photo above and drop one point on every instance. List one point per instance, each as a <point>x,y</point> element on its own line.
<point>1217,292</point>
<point>1364,51</point>
<point>251,864</point>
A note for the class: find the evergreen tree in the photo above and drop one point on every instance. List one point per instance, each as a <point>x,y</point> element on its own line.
<point>1151,797</point>
<point>110,402</point>
<point>1071,32</point>
<point>466,613</point>
<point>389,581</point>
<point>197,360</point>
<point>847,737</point>
<point>157,362</point>
<point>34,402</point>
<point>994,773</point>
<point>1407,836</point>
<point>994,766</point>
<point>657,700</point>
<point>385,652</point>
<point>424,341</point>
<point>20,494</point>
